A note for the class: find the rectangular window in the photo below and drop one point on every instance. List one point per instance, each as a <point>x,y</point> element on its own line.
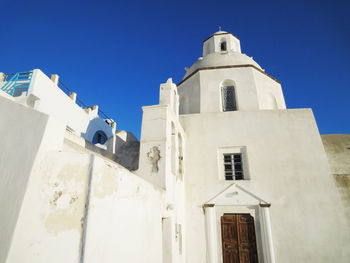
<point>233,163</point>
<point>233,166</point>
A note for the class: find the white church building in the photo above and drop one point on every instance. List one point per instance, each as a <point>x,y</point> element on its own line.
<point>223,173</point>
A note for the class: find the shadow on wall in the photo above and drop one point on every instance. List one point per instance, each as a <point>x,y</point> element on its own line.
<point>127,150</point>
<point>337,147</point>
<point>84,219</point>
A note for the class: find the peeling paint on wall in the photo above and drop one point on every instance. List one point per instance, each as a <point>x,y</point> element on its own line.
<point>65,194</point>
<point>153,157</point>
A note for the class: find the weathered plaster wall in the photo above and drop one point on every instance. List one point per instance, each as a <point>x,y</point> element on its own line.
<point>337,147</point>
<point>55,226</point>
<point>21,130</point>
<point>287,167</point>
<point>154,145</point>
<point>124,221</point>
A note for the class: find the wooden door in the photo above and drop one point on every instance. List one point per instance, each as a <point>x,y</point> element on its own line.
<point>238,239</point>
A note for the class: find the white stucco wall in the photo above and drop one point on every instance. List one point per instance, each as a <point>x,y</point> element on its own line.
<point>21,130</point>
<point>124,215</point>
<point>287,167</point>
<point>54,102</point>
<point>189,95</point>
<point>269,92</point>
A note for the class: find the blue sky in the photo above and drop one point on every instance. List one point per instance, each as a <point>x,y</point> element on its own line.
<point>116,53</point>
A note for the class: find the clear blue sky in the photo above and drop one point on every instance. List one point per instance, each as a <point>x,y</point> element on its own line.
<point>116,53</point>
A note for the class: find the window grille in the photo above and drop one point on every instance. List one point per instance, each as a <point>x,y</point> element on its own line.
<point>228,98</point>
<point>233,166</point>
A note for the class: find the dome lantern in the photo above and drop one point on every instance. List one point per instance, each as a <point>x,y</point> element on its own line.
<point>221,41</point>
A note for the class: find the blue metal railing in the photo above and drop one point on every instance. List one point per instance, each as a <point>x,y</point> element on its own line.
<point>16,84</point>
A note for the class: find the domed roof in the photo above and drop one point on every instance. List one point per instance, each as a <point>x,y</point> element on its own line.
<point>218,59</point>
<point>221,32</point>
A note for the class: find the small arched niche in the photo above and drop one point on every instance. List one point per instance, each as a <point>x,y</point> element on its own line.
<point>99,137</point>
<point>228,95</point>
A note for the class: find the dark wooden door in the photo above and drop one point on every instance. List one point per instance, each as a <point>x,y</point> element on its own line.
<point>238,239</point>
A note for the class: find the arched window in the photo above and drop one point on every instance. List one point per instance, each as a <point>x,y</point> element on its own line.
<point>228,97</point>
<point>99,137</point>
<point>223,46</point>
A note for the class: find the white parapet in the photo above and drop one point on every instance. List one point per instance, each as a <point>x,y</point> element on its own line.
<point>54,78</point>
<point>56,103</point>
<point>73,96</point>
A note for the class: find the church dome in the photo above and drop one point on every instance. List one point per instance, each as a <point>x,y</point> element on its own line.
<point>220,32</point>
<point>219,59</point>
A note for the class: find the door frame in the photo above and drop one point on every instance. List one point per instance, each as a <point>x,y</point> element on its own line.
<point>235,196</point>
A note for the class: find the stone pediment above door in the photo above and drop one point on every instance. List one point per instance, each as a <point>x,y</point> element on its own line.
<point>236,195</point>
